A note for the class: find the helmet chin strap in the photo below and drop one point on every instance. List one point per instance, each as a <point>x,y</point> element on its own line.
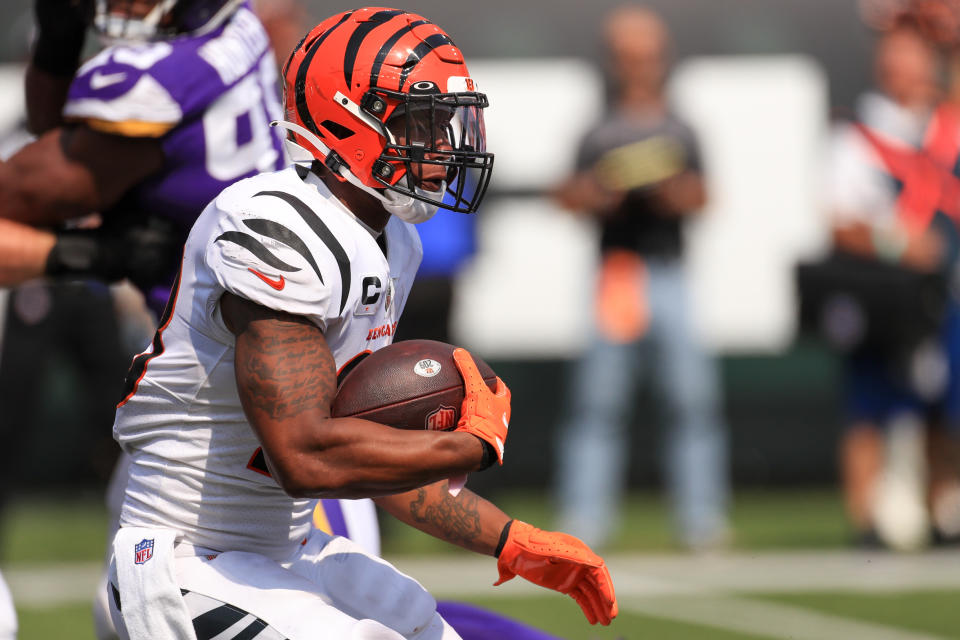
<point>403,206</point>
<point>300,154</point>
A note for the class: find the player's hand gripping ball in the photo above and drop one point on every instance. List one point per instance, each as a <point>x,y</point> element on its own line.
<point>484,414</point>
<point>411,384</point>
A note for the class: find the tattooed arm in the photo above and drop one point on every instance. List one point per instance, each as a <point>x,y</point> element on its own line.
<point>466,520</point>
<point>286,378</point>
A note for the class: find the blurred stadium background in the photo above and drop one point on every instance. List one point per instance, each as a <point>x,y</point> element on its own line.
<point>759,80</point>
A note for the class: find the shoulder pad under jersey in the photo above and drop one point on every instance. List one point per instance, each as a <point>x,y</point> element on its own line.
<point>280,244</point>
<point>147,89</point>
<point>115,92</point>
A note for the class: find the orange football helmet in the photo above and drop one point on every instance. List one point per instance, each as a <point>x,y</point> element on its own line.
<point>383,98</point>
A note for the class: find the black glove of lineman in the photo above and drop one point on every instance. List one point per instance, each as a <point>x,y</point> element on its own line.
<point>145,251</point>
<point>61,30</point>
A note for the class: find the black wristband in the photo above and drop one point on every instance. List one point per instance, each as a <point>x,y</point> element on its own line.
<point>61,31</point>
<point>77,253</point>
<point>489,455</point>
<point>504,534</point>
<point>59,56</point>
<point>145,249</point>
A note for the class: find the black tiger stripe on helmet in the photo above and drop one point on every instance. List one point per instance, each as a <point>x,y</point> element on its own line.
<point>359,35</point>
<point>387,47</point>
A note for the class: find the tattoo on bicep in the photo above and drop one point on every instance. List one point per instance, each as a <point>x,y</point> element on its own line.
<point>457,519</point>
<point>286,369</point>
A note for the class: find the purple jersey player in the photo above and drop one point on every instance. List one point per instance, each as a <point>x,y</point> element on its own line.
<point>151,129</point>
<point>207,99</point>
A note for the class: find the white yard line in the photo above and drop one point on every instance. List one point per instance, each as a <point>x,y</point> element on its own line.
<point>639,574</point>
<point>766,619</point>
<point>687,588</point>
<point>787,571</point>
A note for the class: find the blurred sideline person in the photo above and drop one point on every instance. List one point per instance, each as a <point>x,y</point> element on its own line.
<point>638,174</point>
<point>939,23</point>
<point>233,403</point>
<point>894,392</point>
<point>943,144</point>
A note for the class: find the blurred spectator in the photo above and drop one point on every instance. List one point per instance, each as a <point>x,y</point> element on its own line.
<point>638,175</point>
<point>882,215</point>
<point>940,22</point>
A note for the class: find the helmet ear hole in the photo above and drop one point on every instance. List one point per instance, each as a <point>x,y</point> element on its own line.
<point>338,130</point>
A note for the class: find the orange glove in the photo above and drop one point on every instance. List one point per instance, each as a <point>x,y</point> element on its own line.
<point>560,562</point>
<point>483,413</point>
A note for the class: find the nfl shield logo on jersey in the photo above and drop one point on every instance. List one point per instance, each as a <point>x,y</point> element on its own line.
<point>143,551</point>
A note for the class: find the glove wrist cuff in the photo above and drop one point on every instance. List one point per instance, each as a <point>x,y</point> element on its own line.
<point>489,455</point>
<point>504,534</point>
<point>77,253</point>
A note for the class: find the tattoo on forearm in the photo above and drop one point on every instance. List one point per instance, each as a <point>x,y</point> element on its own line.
<point>456,520</point>
<point>286,369</point>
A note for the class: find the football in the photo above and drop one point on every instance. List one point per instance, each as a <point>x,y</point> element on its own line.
<point>411,384</point>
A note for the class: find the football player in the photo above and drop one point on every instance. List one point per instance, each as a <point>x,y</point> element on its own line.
<point>146,133</point>
<point>173,109</point>
<point>286,278</point>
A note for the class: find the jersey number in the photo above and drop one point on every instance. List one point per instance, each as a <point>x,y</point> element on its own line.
<point>237,136</point>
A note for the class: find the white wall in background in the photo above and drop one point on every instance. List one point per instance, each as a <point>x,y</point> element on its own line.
<point>12,109</point>
<point>761,121</point>
<point>529,285</point>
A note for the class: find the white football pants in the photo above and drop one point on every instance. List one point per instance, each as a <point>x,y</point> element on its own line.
<point>331,589</point>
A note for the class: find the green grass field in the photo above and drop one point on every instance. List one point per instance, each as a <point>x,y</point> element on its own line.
<point>33,529</point>
<point>51,533</point>
<point>809,519</point>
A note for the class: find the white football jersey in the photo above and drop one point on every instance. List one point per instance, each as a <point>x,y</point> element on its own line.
<point>281,240</point>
